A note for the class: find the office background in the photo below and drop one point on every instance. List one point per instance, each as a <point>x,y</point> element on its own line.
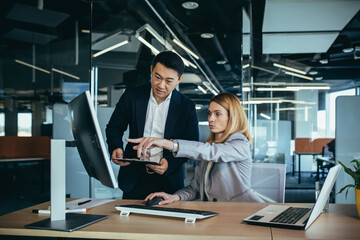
<point>286,61</point>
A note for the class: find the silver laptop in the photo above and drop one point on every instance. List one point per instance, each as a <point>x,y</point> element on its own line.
<point>292,216</point>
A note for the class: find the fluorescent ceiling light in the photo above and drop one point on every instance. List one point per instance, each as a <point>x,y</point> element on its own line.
<point>221,62</point>
<point>323,61</point>
<point>313,72</point>
<point>65,73</point>
<point>348,50</point>
<point>110,48</point>
<point>311,87</point>
<point>163,42</point>
<point>189,63</point>
<point>289,68</point>
<point>298,102</point>
<point>157,36</point>
<point>246,89</point>
<point>203,123</point>
<point>202,89</point>
<point>32,66</point>
<point>319,78</point>
<point>299,75</point>
<point>214,92</point>
<point>261,101</point>
<point>198,106</point>
<point>180,44</point>
<point>263,69</point>
<point>153,49</point>
<point>276,89</point>
<point>207,35</point>
<point>293,108</point>
<point>190,5</point>
<point>85,31</point>
<point>307,84</point>
<point>246,66</point>
<point>270,84</point>
<point>265,116</point>
<point>186,62</point>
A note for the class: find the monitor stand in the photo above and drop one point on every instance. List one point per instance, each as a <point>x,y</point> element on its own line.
<point>60,221</point>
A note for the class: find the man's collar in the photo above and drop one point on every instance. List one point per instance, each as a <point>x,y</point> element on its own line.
<point>154,100</point>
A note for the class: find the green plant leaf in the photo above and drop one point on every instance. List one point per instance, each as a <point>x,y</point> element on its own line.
<point>357,167</point>
<point>349,171</point>
<point>347,189</point>
<point>354,174</point>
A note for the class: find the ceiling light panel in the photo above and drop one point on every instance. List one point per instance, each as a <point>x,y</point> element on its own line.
<point>309,15</point>
<point>284,43</point>
<point>29,14</point>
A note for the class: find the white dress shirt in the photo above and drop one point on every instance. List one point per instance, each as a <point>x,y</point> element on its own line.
<point>155,122</point>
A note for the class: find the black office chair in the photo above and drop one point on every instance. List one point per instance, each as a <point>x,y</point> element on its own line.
<point>324,163</point>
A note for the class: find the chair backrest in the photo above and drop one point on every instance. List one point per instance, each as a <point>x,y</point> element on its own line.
<point>268,181</point>
<point>326,152</point>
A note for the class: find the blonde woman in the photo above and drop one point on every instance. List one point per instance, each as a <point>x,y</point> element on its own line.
<point>224,168</point>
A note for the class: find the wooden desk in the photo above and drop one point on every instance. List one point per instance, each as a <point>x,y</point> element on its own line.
<point>340,223</point>
<point>299,163</point>
<point>227,225</point>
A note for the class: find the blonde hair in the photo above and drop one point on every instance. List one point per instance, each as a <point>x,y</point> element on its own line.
<point>237,119</point>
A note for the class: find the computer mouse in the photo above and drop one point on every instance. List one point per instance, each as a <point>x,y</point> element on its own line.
<point>154,201</point>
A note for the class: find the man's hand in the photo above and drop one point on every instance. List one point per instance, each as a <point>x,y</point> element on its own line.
<point>161,168</point>
<point>118,153</point>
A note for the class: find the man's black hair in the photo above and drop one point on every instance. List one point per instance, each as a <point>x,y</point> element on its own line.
<point>170,60</point>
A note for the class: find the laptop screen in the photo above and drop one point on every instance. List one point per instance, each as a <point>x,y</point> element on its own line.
<point>324,194</point>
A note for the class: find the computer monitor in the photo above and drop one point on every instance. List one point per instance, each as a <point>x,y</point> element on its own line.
<point>89,140</point>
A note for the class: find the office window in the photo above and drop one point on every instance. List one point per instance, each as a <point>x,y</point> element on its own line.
<point>24,124</point>
<point>2,124</point>
<point>321,123</point>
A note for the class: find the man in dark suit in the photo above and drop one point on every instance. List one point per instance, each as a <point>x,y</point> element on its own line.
<point>156,110</point>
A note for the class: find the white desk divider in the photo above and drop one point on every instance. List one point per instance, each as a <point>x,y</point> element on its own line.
<point>57,179</point>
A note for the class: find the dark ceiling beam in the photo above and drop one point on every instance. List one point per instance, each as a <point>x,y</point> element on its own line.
<point>257,18</point>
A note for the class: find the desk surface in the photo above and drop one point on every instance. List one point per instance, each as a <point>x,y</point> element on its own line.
<point>308,153</point>
<point>340,223</point>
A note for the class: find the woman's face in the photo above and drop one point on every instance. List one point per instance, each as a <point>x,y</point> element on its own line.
<point>218,119</point>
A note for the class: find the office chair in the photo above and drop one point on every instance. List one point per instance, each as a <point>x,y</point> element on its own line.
<point>268,181</point>
<point>325,162</point>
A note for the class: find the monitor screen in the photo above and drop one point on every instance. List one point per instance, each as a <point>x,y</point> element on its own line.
<point>89,140</point>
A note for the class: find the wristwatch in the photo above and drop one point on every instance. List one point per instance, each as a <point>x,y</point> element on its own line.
<point>176,146</point>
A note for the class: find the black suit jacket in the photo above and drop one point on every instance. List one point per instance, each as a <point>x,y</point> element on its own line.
<point>181,123</point>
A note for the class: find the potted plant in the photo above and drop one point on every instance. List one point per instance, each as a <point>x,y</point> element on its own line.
<point>356,176</point>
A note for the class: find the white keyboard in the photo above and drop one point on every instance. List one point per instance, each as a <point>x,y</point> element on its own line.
<point>189,214</point>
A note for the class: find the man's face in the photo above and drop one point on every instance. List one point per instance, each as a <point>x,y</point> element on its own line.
<point>163,81</point>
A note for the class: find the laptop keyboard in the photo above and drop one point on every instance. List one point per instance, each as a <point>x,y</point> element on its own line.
<point>290,215</point>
